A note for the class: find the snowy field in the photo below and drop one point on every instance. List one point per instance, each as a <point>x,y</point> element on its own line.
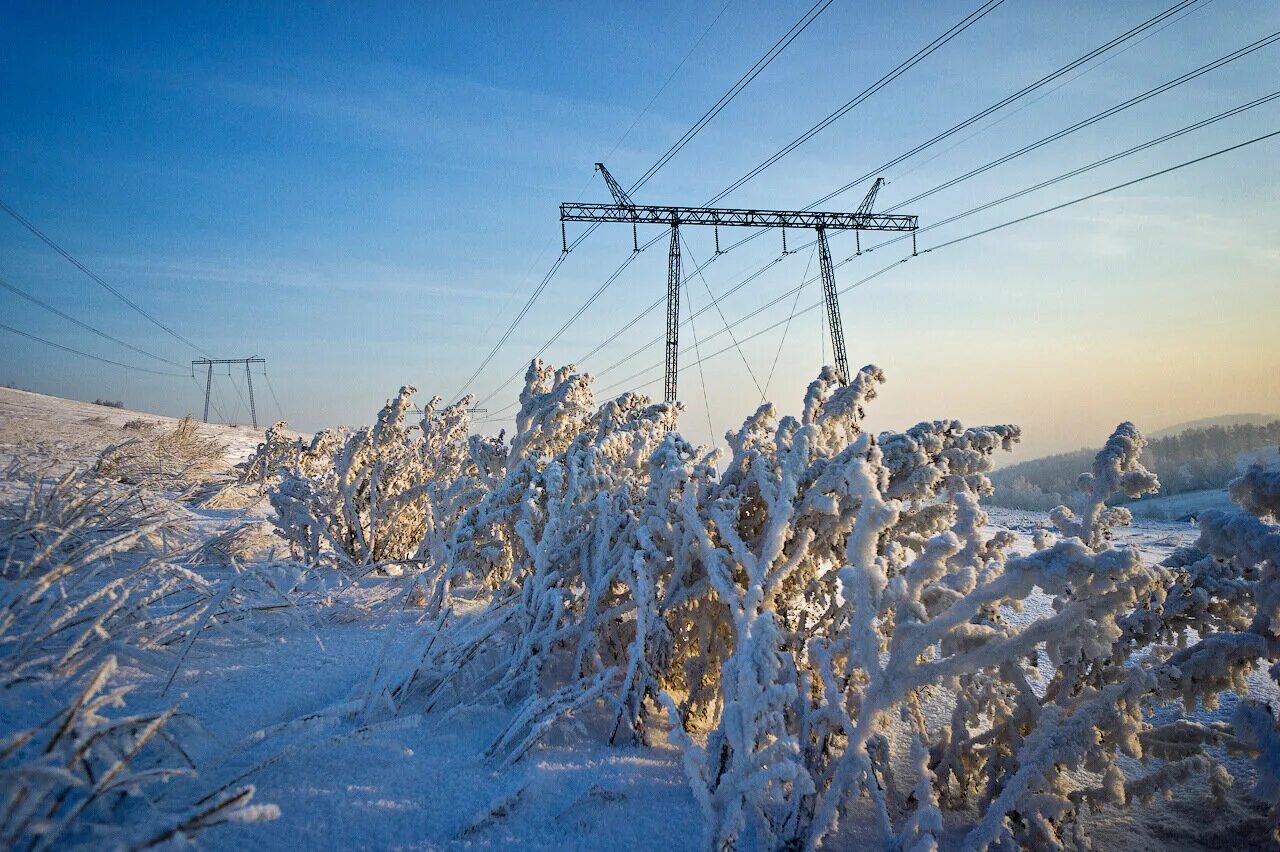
<point>281,690</point>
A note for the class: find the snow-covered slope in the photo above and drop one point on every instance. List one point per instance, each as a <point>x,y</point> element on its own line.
<point>65,430</point>
<point>413,784</point>
<point>260,699</point>
<point>1189,504</point>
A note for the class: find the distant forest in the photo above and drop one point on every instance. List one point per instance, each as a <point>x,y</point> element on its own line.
<point>1188,461</point>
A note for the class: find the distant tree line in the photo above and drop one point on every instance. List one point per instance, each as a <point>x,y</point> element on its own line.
<point>1187,461</point>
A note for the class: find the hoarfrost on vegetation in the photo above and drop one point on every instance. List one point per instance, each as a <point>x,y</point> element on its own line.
<point>819,619</point>
<point>792,612</point>
<point>96,566</point>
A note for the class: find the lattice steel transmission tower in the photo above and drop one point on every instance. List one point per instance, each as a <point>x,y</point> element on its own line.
<point>625,210</point>
<point>248,377</point>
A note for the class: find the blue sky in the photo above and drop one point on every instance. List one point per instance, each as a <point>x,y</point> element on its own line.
<point>364,194</point>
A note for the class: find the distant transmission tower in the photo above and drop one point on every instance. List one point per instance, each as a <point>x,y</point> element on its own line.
<point>625,210</point>
<point>248,377</point>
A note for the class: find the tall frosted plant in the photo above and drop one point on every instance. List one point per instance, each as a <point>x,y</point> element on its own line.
<point>820,618</point>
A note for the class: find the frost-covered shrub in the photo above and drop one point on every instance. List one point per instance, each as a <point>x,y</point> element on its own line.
<point>276,452</point>
<point>279,454</point>
<point>818,616</point>
<point>164,459</point>
<point>381,494</point>
<point>1116,470</point>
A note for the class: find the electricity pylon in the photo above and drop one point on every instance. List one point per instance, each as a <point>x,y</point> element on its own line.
<point>248,377</point>
<point>625,210</point>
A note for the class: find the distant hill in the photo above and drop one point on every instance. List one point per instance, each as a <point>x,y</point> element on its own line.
<point>1201,458</point>
<point>1221,420</point>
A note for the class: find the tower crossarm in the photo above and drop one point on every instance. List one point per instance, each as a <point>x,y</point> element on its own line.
<point>652,214</point>
<point>625,210</point>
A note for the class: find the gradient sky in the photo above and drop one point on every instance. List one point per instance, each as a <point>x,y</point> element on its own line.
<point>365,194</point>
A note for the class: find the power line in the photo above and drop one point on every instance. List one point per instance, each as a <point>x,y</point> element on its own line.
<point>537,261</point>
<point>706,399</point>
<point>274,398</point>
<point>809,16</point>
<point>581,310</point>
<point>658,302</point>
<point>723,319</point>
<point>240,396</point>
<point>48,307</point>
<point>735,288</point>
<point>1094,119</point>
<point>1033,188</point>
<point>26,223</point>
<point>968,21</point>
<point>754,71</point>
<point>1041,185</point>
<point>982,232</point>
<point>670,77</point>
<point>216,410</point>
<point>787,328</point>
<point>21,333</point>
<point>1093,195</point>
<point>1023,92</point>
<point>996,162</point>
<point>900,69</point>
<point>1011,196</point>
<point>1151,22</point>
<point>1181,16</point>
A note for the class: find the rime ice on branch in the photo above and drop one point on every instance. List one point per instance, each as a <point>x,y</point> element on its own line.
<point>816,617</point>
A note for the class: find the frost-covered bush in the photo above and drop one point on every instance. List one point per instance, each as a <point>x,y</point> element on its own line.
<point>382,494</point>
<point>163,459</point>
<point>279,454</point>
<point>276,453</point>
<point>819,617</point>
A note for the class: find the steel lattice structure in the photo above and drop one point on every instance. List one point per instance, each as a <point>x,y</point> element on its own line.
<point>673,216</point>
<point>248,377</point>
<point>654,214</point>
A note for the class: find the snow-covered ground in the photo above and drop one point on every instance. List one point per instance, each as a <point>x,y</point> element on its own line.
<point>1189,504</point>
<point>68,432</point>
<point>254,702</point>
<point>416,784</point>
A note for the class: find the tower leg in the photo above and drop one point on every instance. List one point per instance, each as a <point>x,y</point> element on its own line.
<point>253,411</point>
<point>673,314</point>
<point>208,388</point>
<point>833,307</point>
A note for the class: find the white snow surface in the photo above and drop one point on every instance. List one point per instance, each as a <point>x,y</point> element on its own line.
<point>424,782</point>
<point>71,432</point>
<point>1187,505</point>
<point>415,784</point>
